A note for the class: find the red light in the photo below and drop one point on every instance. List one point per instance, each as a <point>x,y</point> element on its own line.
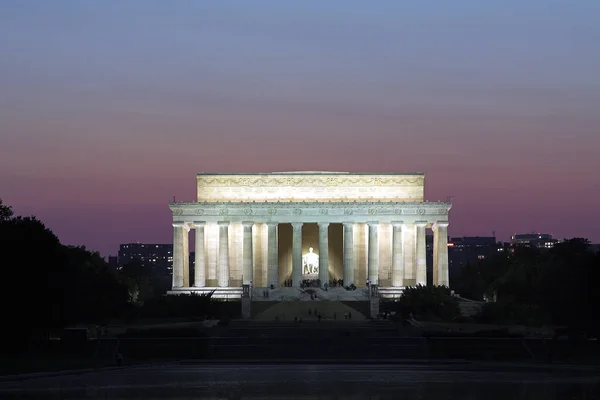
<point>450,244</point>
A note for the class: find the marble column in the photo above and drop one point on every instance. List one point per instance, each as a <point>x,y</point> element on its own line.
<point>247,255</point>
<point>323,252</point>
<point>349,253</point>
<point>408,254</point>
<point>296,253</point>
<point>397,258</point>
<point>181,254</point>
<point>200,267</point>
<point>272,255</point>
<point>373,263</point>
<point>421,252</point>
<point>211,243</point>
<point>223,267</point>
<point>440,254</point>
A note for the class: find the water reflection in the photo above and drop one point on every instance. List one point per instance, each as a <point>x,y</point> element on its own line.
<point>313,382</point>
<point>421,391</point>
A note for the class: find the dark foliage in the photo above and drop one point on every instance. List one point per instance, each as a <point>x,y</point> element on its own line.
<point>427,302</point>
<point>48,285</point>
<point>199,306</point>
<point>534,287</point>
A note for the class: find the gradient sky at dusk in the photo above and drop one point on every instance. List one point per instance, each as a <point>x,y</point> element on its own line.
<point>109,108</point>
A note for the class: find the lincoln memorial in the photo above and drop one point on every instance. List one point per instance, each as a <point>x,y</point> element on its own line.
<point>279,230</point>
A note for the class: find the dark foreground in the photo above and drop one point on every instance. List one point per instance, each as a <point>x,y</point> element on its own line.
<point>310,381</point>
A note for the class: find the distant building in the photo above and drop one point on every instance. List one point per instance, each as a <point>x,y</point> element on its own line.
<point>533,240</point>
<point>470,250</point>
<point>158,256</point>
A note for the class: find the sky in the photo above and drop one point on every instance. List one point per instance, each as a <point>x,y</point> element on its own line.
<point>109,108</point>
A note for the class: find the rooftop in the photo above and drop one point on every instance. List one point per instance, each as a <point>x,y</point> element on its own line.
<point>311,173</point>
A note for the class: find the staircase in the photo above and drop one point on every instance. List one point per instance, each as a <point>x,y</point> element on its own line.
<point>290,310</point>
<point>325,340</point>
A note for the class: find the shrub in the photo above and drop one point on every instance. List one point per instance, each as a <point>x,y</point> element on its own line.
<point>427,302</point>
<point>178,306</point>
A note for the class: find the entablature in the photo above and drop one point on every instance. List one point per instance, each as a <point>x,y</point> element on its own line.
<point>307,212</point>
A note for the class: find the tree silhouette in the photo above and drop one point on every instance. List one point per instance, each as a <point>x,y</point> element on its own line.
<point>46,285</point>
<point>6,212</point>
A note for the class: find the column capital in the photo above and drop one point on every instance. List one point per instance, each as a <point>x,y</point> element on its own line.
<point>323,224</point>
<point>271,223</point>
<point>373,223</point>
<point>199,224</point>
<point>248,224</point>
<point>420,223</point>
<point>183,225</point>
<point>397,224</point>
<point>440,224</point>
<point>223,223</point>
<point>297,225</point>
<point>348,224</point>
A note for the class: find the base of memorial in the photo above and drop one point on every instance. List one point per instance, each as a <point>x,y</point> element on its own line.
<point>229,293</point>
<point>288,293</point>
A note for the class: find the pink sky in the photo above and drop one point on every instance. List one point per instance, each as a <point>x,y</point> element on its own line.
<point>105,116</point>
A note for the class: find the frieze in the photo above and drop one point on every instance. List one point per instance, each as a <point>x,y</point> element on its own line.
<point>309,209</point>
<point>311,181</point>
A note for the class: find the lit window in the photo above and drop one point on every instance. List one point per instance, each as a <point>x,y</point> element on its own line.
<point>481,256</point>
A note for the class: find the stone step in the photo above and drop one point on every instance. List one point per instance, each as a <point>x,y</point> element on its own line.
<point>288,310</point>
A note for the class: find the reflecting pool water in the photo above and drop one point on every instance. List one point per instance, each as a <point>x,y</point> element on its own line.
<point>264,381</point>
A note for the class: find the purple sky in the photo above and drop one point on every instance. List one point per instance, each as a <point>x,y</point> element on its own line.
<point>108,109</point>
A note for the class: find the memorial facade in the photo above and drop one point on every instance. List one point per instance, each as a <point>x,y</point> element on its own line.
<point>267,230</point>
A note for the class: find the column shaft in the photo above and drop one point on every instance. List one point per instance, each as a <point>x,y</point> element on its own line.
<point>397,258</point>
<point>296,253</point>
<point>373,263</point>
<point>272,256</point>
<point>181,254</point>
<point>324,252</point>
<point>247,255</point>
<point>223,267</point>
<point>408,254</point>
<point>440,264</point>
<point>421,253</point>
<point>349,253</point>
<point>200,267</point>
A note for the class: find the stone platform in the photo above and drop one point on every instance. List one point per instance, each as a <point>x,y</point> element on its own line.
<point>290,293</point>
<point>227,293</point>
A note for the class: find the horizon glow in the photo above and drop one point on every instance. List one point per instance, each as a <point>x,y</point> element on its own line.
<point>109,109</point>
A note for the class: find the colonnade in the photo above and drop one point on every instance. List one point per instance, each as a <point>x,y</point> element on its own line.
<point>408,255</point>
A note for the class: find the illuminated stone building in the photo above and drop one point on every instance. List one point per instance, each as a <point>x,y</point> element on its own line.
<point>256,229</point>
